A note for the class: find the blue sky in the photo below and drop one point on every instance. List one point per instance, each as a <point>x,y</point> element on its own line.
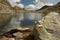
<point>55,1</point>
<point>27,2</point>
<point>32,4</point>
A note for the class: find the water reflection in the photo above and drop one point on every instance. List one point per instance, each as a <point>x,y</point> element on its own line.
<point>29,19</point>
<point>22,20</point>
<point>25,19</point>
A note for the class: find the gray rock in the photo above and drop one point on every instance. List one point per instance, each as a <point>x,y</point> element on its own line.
<point>50,29</point>
<point>51,22</point>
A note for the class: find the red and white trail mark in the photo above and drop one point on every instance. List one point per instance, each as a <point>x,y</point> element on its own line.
<point>40,26</point>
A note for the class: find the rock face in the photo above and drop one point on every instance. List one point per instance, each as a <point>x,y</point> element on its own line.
<point>5,14</point>
<point>51,27</point>
<point>52,22</point>
<point>4,19</point>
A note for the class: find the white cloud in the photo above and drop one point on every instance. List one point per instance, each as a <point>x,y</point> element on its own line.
<point>49,4</point>
<point>35,1</point>
<point>31,7</point>
<point>13,2</point>
<point>16,0</point>
<point>45,1</point>
<point>55,1</point>
<point>40,3</point>
<point>20,5</point>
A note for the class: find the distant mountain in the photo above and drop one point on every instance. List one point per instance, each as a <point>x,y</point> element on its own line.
<point>15,9</point>
<point>43,7</point>
<point>58,3</point>
<point>46,9</point>
<point>18,9</point>
<point>5,2</point>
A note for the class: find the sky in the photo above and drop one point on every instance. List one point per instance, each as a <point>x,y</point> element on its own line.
<point>32,4</point>
<point>55,1</point>
<point>27,2</point>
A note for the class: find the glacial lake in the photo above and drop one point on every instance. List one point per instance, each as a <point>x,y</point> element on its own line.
<point>22,20</point>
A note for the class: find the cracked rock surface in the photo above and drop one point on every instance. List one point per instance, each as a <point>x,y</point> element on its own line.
<point>50,29</point>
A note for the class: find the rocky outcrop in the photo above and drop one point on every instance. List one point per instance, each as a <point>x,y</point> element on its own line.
<point>4,19</point>
<point>5,2</point>
<point>51,27</point>
<point>52,23</point>
<point>5,15</point>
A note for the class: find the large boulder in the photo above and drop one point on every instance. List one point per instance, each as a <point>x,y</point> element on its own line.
<point>50,29</point>
<point>51,22</point>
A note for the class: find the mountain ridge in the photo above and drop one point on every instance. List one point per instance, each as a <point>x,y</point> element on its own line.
<point>54,8</point>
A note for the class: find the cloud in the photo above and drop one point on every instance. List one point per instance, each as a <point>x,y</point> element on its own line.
<point>50,4</point>
<point>55,1</point>
<point>20,5</point>
<point>45,1</point>
<point>13,2</point>
<point>35,1</point>
<point>50,1</point>
<point>40,3</point>
<point>16,0</point>
<point>31,7</point>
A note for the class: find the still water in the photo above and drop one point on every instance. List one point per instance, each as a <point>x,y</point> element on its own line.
<point>22,20</point>
<point>26,19</point>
